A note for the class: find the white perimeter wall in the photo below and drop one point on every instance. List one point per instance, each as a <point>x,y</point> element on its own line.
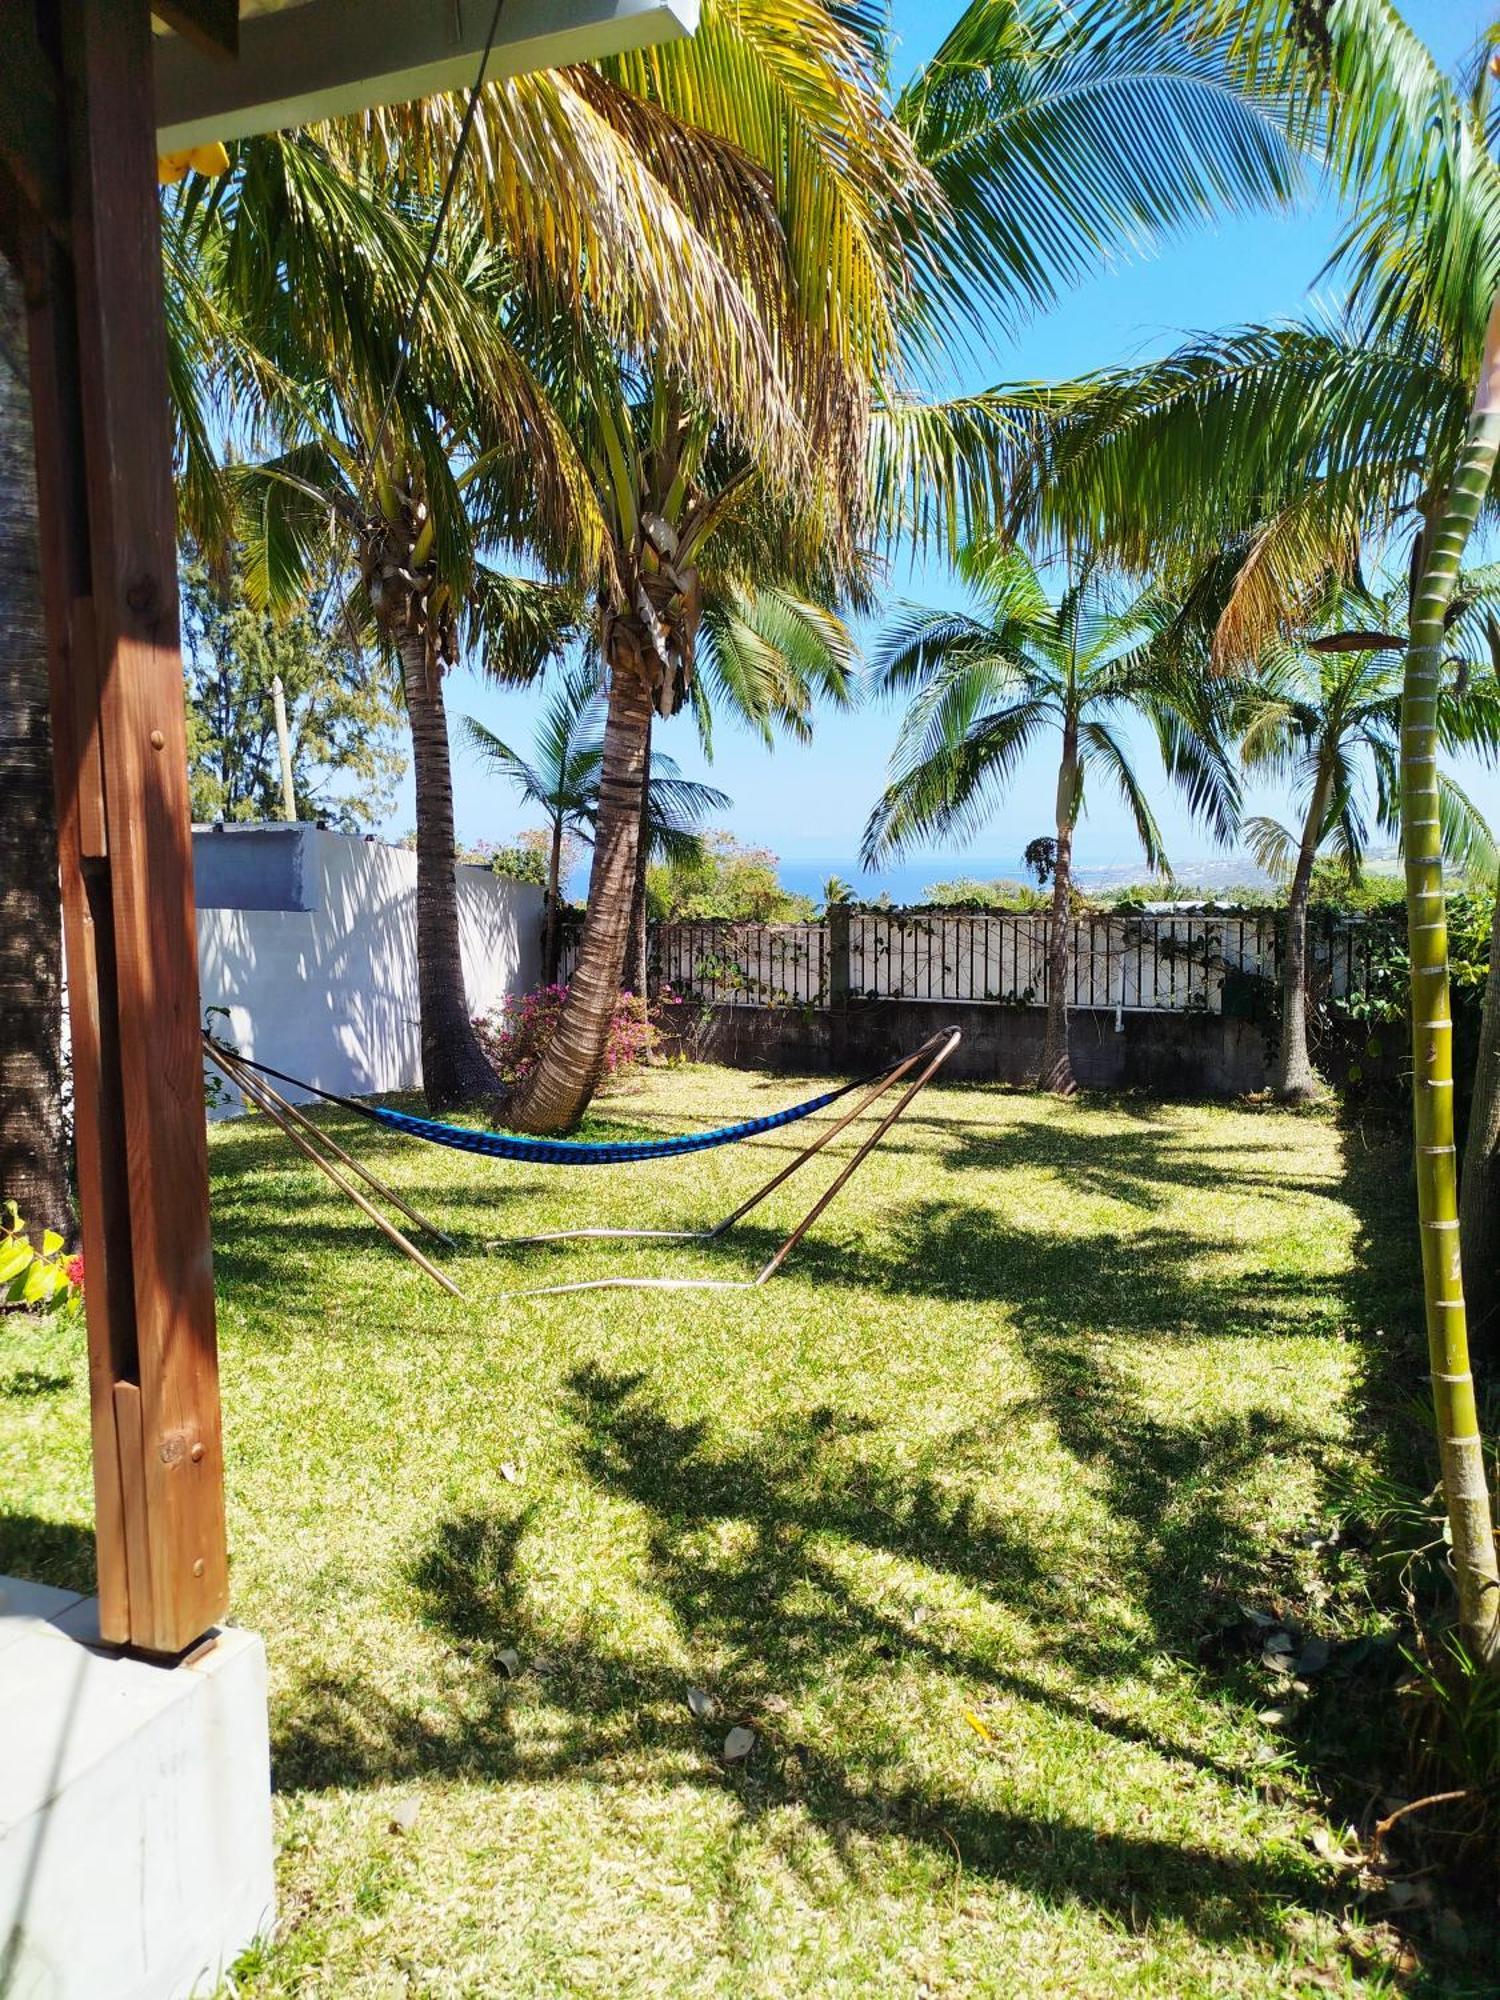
<point>329,992</point>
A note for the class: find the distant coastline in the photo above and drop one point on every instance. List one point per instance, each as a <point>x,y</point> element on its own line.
<point>907,881</point>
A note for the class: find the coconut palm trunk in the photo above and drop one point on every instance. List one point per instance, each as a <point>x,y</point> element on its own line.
<point>1056,1073</point>
<point>1295,1080</point>
<point>1479,1189</point>
<point>551,935</point>
<point>1460,1446</point>
<point>454,1068</point>
<point>33,1155</point>
<point>636,952</point>
<point>558,1090</point>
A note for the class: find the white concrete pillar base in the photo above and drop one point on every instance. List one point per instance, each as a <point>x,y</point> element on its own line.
<point>135,1808</point>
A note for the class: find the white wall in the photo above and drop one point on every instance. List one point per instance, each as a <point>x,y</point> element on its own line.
<point>329,992</point>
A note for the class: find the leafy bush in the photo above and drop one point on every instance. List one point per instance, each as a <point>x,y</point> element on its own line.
<point>45,1278</point>
<point>725,881</point>
<point>517,1037</point>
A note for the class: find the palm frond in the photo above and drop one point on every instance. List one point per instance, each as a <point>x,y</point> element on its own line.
<point>1062,136</point>
<point>1272,846</point>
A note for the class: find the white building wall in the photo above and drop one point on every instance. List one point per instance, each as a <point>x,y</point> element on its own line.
<point>329,992</point>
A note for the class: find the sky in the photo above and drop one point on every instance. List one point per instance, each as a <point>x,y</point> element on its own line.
<point>809,803</point>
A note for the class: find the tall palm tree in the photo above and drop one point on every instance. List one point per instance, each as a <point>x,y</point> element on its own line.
<point>291,279</point>
<point>33,1150</point>
<point>680,497</point>
<point>1323,715</point>
<point>964,191</point>
<point>561,777</point>
<point>1328,438</point>
<point>390,498</point>
<point>986,687</point>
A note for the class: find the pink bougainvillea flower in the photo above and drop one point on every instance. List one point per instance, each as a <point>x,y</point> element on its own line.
<point>74,1271</point>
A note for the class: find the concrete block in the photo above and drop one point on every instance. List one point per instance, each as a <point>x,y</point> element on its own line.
<point>135,1809</point>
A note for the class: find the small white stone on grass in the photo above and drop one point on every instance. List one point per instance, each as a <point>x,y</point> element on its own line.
<point>738,1744</point>
<point>404,1815</point>
<point>702,1704</point>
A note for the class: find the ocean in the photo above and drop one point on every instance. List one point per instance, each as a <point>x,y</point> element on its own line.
<point>907,882</point>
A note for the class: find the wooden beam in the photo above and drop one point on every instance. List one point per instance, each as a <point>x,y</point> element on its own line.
<point>62,515</point>
<point>104,444</point>
<point>33,132</point>
<point>210,25</point>
<point>327,58</point>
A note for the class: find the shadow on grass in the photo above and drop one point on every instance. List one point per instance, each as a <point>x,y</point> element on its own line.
<point>773,1603</point>
<point>53,1552</point>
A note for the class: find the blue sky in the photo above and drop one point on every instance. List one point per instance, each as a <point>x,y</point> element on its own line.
<point>808,804</point>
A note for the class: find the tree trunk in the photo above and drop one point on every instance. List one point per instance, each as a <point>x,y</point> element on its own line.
<point>636,952</point>
<point>454,1069</point>
<point>33,1150</point>
<point>1056,1073</point>
<point>559,1088</point>
<point>551,936</point>
<point>1479,1190</point>
<point>1460,1446</point>
<point>1296,1081</point>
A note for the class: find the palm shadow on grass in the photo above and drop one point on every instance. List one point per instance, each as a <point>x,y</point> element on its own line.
<point>786,1620</point>
<point>782,1616</point>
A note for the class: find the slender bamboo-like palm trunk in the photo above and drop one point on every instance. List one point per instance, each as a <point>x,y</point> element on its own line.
<point>1460,1447</point>
<point>1056,1073</point>
<point>1479,1188</point>
<point>33,1155</point>
<point>551,936</point>
<point>1295,1080</point>
<point>559,1088</point>
<point>454,1068</point>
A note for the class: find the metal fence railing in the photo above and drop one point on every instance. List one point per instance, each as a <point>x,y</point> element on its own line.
<point>1122,959</point>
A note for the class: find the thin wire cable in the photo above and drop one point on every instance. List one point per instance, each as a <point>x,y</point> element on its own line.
<point>431,258</point>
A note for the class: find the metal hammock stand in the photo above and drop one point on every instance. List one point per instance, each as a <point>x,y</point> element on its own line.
<point>915,1071</point>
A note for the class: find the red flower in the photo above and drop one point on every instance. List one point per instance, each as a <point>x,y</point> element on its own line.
<point>74,1270</point>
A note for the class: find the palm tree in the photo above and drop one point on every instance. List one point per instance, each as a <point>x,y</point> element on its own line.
<point>1322,713</point>
<point>1328,438</point>
<point>290,282</point>
<point>561,778</point>
<point>986,687</point>
<point>969,191</point>
<point>690,517</point>
<point>389,498</point>
<point>33,1148</point>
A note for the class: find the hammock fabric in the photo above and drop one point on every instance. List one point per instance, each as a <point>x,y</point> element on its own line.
<point>563,1152</point>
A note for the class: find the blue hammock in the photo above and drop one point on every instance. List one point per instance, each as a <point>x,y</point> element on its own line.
<point>561,1152</point>
<point>587,1152</point>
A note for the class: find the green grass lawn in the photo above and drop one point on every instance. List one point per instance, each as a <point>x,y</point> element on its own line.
<point>954,1516</point>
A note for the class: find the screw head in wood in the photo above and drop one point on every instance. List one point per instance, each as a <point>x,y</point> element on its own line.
<point>158,741</point>
<point>196,1453</point>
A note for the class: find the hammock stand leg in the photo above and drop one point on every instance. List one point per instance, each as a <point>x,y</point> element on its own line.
<point>326,1140</point>
<point>877,1090</point>
<point>252,1088</point>
<point>936,1050</point>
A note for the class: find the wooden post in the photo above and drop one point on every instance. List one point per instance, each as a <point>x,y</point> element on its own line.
<point>108,535</point>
